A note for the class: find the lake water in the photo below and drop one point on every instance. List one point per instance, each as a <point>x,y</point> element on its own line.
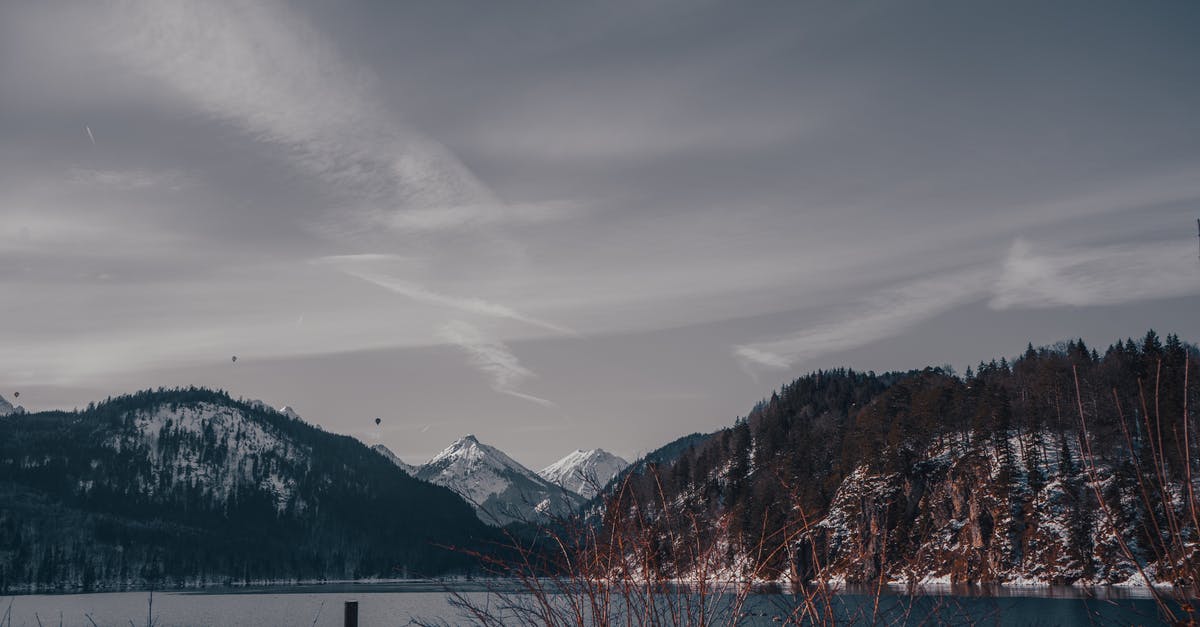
<point>399,603</point>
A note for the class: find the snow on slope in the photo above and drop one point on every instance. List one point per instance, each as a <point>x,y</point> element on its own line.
<point>392,457</point>
<point>584,472</point>
<point>502,490</point>
<point>216,449</point>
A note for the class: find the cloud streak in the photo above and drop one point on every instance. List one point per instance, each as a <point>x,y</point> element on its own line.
<point>353,266</point>
<point>879,316</point>
<point>1027,279</point>
<point>128,180</point>
<point>478,215</point>
<point>1108,275</point>
<point>493,358</point>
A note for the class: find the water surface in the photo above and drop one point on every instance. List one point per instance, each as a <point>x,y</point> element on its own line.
<point>400,603</point>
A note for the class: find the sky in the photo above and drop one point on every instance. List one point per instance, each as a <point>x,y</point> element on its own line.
<point>577,225</point>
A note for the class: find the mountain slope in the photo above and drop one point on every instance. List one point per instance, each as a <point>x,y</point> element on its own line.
<point>584,472</point>
<point>502,490</point>
<point>190,486</point>
<point>409,469</point>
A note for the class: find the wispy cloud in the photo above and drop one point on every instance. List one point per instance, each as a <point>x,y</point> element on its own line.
<point>129,180</point>
<point>358,266</point>
<point>1105,275</point>
<point>1066,277</point>
<point>266,70</point>
<point>477,215</point>
<point>464,304</point>
<point>879,316</point>
<point>493,358</point>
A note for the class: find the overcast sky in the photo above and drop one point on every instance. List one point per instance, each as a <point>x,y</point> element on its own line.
<point>568,225</point>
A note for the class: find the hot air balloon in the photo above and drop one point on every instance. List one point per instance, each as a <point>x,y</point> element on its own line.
<point>377,421</point>
<point>235,359</point>
<point>16,395</point>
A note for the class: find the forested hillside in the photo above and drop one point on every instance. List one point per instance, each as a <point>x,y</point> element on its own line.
<point>929,476</point>
<point>189,486</point>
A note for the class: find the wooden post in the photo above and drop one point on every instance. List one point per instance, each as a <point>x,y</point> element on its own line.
<point>351,614</point>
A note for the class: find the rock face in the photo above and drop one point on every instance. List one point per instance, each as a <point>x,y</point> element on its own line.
<point>502,490</point>
<point>584,472</point>
<point>955,518</point>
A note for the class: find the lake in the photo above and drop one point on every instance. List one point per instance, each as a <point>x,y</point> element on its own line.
<point>399,603</point>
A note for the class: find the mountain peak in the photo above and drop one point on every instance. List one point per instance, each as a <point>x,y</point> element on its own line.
<point>584,472</point>
<point>500,488</point>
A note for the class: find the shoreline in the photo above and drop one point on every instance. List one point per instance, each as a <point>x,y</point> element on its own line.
<point>1023,589</point>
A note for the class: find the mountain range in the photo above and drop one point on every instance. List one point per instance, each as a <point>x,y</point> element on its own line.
<point>503,491</point>
<point>1063,466</point>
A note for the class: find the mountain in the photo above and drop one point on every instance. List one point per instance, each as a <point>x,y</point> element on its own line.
<point>1050,469</point>
<point>502,490</point>
<point>584,472</point>
<point>595,508</point>
<point>8,409</point>
<point>190,486</point>
<point>392,457</point>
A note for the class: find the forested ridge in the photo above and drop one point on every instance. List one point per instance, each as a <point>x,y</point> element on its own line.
<point>927,475</point>
<point>189,486</point>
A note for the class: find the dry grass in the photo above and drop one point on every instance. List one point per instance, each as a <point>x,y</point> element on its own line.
<point>648,565</point>
<point>1170,564</point>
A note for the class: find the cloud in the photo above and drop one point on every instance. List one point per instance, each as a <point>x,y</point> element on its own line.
<point>879,316</point>
<point>492,358</point>
<point>1075,277</point>
<point>128,180</point>
<point>267,71</point>
<point>476,215</point>
<point>353,266</point>
<point>1107,275</point>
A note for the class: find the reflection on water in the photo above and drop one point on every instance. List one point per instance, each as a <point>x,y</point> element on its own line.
<point>399,603</point>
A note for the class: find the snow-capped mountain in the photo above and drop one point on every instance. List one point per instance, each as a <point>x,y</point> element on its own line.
<point>392,457</point>
<point>502,490</point>
<point>8,409</point>
<point>584,472</point>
